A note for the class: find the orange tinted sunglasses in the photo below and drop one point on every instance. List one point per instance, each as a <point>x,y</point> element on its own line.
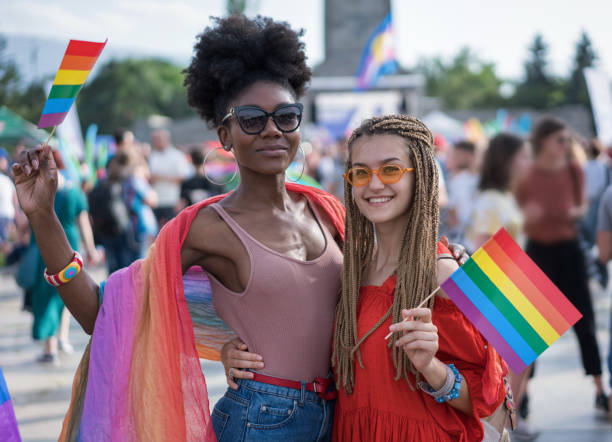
<point>387,174</point>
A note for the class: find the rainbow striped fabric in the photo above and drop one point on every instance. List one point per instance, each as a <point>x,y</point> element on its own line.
<point>510,301</point>
<point>8,423</point>
<point>378,57</point>
<point>78,61</point>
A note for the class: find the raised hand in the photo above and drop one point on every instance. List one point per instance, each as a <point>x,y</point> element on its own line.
<point>36,180</point>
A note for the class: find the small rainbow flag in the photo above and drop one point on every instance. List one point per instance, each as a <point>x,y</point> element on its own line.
<point>378,57</point>
<point>510,301</point>
<point>78,61</point>
<point>8,423</point>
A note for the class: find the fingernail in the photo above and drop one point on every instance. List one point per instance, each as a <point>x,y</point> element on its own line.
<point>259,358</point>
<point>251,375</point>
<point>35,164</point>
<point>392,328</point>
<point>28,170</point>
<point>260,365</point>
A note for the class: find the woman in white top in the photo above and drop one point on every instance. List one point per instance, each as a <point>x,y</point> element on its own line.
<point>504,163</point>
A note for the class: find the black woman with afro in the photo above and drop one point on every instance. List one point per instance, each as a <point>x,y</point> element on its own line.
<point>270,248</point>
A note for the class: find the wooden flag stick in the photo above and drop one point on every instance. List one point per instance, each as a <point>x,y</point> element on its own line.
<point>419,306</point>
<point>50,135</point>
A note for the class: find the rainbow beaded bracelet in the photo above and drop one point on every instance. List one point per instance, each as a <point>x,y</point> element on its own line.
<point>67,273</point>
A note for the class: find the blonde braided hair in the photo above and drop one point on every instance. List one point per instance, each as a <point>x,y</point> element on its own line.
<point>416,274</point>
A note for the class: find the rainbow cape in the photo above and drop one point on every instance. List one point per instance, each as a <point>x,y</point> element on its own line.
<point>79,59</point>
<point>511,301</point>
<point>140,376</point>
<point>8,422</point>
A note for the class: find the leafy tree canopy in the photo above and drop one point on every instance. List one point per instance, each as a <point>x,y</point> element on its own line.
<point>465,83</point>
<point>126,90</point>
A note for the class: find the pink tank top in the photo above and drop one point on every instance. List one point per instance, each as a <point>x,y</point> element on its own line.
<point>286,312</point>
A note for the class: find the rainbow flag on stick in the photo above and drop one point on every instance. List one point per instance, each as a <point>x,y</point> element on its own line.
<point>76,65</point>
<point>511,301</point>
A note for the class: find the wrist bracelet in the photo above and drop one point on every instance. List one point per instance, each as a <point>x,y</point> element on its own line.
<point>67,273</point>
<point>451,388</point>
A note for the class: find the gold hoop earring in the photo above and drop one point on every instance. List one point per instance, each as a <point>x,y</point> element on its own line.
<point>226,149</point>
<point>303,167</point>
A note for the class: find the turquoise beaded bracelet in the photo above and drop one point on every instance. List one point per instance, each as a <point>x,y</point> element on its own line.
<point>446,392</point>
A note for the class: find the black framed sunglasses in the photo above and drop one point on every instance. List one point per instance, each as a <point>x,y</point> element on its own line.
<point>253,119</point>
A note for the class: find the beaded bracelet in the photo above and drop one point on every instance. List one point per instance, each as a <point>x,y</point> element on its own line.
<point>451,388</point>
<point>67,273</point>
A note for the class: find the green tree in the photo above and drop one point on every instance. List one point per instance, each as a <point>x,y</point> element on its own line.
<point>126,90</point>
<point>29,103</point>
<point>465,83</point>
<point>539,89</point>
<point>236,6</point>
<point>9,76</point>
<point>584,57</point>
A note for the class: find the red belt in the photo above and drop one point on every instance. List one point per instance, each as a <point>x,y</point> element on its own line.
<point>319,385</point>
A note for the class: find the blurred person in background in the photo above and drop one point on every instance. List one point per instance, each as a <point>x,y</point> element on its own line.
<point>552,197</point>
<point>121,209</point>
<point>313,159</point>
<point>126,143</point>
<point>141,200</point>
<point>461,188</point>
<point>604,247</point>
<point>504,165</point>
<point>8,204</point>
<point>440,147</point>
<point>198,187</point>
<point>597,178</point>
<point>331,168</point>
<point>168,167</point>
<point>51,319</point>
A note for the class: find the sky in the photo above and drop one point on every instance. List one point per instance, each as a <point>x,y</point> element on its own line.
<point>499,32</point>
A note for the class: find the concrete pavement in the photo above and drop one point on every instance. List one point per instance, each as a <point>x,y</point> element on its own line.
<point>561,396</point>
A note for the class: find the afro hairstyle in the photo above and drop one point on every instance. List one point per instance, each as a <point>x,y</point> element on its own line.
<point>236,52</point>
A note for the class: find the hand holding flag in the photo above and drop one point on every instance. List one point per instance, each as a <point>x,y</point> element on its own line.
<point>510,301</point>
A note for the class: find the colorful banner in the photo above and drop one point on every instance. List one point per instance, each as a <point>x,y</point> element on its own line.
<point>76,65</point>
<point>511,301</point>
<point>378,57</point>
<point>8,423</point>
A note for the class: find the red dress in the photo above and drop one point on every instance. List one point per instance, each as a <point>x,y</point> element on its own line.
<point>382,409</point>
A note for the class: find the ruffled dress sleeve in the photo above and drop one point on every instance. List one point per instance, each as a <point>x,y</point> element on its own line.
<point>461,344</point>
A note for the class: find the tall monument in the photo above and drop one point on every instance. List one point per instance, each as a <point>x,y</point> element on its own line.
<point>348,26</point>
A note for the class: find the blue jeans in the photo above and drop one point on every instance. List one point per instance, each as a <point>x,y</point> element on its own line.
<point>264,412</point>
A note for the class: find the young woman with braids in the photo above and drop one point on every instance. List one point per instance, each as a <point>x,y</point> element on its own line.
<point>388,389</point>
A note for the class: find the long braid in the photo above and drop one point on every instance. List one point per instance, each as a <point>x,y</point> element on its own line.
<point>416,274</point>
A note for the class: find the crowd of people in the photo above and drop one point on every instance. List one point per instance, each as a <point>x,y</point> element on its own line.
<point>546,191</point>
<point>371,262</point>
